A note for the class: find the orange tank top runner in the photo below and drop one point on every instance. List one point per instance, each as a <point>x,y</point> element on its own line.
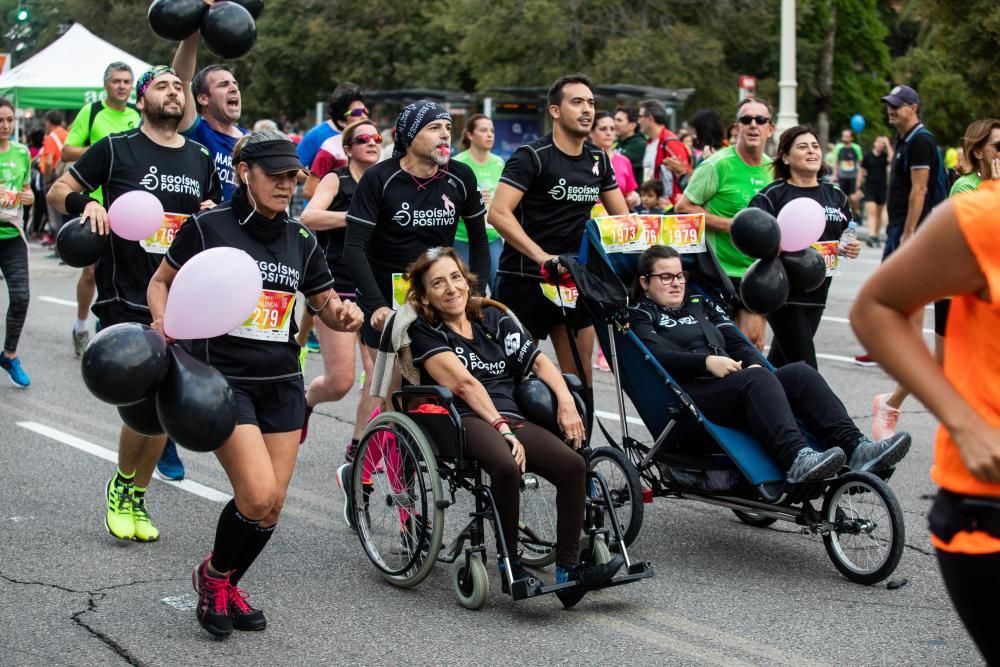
<point>972,359</point>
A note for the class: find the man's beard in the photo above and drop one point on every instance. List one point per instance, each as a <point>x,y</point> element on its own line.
<point>163,119</point>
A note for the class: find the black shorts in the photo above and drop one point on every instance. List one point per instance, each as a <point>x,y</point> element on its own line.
<point>538,315</point>
<point>874,193</point>
<point>274,407</point>
<point>941,316</point>
<point>848,185</point>
<point>369,336</point>
<point>116,312</point>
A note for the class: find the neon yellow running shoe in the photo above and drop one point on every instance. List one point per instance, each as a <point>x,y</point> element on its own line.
<point>145,531</point>
<point>118,519</point>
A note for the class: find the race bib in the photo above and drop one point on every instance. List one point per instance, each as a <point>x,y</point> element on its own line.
<point>830,252</point>
<point>685,232</point>
<point>561,296</point>
<point>400,286</point>
<point>635,233</point>
<point>159,243</point>
<point>9,198</point>
<point>271,318</point>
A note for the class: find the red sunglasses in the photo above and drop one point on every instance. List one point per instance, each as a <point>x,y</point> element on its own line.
<point>362,139</point>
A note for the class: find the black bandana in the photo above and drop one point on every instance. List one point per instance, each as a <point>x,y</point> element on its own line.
<point>413,119</point>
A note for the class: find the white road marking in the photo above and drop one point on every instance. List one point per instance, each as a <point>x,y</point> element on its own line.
<point>614,416</point>
<point>183,602</point>
<point>58,301</point>
<point>108,455</point>
<point>844,320</point>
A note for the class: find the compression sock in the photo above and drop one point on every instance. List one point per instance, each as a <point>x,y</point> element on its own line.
<point>122,478</point>
<point>231,535</point>
<point>251,549</point>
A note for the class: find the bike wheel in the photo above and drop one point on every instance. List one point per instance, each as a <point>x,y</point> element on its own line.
<point>625,489</point>
<point>754,519</point>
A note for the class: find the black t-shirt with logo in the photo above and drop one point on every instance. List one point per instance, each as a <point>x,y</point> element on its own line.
<point>498,353</point>
<point>332,240</point>
<point>916,150</point>
<point>838,215</point>
<point>262,349</point>
<point>559,192</point>
<point>393,217</point>
<point>181,178</point>
<point>875,169</point>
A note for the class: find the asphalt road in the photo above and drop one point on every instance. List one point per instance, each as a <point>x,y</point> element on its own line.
<point>724,593</point>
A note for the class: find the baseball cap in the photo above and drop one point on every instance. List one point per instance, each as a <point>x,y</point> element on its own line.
<point>271,151</point>
<point>901,95</point>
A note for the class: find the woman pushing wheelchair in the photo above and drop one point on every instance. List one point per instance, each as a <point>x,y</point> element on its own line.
<point>702,349</point>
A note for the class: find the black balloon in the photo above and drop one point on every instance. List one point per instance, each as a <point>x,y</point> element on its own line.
<point>228,30</point>
<point>125,363</point>
<point>195,403</point>
<point>537,403</point>
<point>806,269</point>
<point>141,417</point>
<point>77,245</point>
<point>255,7</point>
<point>755,233</point>
<point>764,287</point>
<point>176,19</point>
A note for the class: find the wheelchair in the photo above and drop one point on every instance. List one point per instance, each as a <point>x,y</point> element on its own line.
<point>690,457</point>
<point>398,507</point>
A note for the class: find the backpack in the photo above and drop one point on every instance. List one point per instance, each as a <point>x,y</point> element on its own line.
<point>937,183</point>
<point>96,108</point>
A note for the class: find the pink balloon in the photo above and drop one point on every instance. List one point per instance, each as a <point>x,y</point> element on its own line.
<point>214,292</point>
<point>802,222</point>
<point>136,215</point>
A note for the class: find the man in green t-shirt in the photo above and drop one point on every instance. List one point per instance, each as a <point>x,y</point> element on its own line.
<point>723,185</point>
<point>15,192</point>
<point>94,122</point>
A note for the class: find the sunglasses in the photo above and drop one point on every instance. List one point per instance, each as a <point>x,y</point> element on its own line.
<point>362,139</point>
<point>357,112</point>
<point>761,120</point>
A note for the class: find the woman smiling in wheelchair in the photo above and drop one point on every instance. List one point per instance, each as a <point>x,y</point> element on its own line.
<point>701,348</point>
<point>479,353</point>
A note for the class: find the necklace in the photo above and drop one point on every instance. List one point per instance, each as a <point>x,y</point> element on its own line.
<point>422,185</point>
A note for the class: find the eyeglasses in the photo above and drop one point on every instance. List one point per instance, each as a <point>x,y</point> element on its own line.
<point>668,278</point>
<point>357,112</point>
<point>362,139</point>
<point>761,120</point>
<point>996,146</point>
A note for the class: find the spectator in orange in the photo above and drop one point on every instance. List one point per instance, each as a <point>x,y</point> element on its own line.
<point>48,158</point>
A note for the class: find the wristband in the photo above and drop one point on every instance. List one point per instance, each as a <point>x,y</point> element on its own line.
<point>76,202</point>
<point>499,421</point>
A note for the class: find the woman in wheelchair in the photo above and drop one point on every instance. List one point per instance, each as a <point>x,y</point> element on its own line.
<point>702,349</point>
<point>479,352</point>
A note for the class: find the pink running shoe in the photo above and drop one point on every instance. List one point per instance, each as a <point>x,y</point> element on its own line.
<point>884,417</point>
<point>601,363</point>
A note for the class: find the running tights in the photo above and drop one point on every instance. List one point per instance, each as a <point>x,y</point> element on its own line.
<point>973,582</point>
<point>794,328</point>
<point>14,266</point>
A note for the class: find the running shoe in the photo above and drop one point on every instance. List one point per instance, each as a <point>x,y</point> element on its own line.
<point>170,465</point>
<point>344,484</point>
<point>811,465</point>
<point>589,577</point>
<point>305,424</point>
<point>601,363</point>
<point>244,616</point>
<point>873,456</point>
<point>865,360</point>
<point>213,600</point>
<point>118,519</point>
<point>80,340</point>
<point>312,343</point>
<point>884,417</point>
<point>13,368</point>
<point>145,531</point>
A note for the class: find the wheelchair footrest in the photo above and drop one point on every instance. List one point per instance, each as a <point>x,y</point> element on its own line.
<point>526,588</point>
<point>638,570</point>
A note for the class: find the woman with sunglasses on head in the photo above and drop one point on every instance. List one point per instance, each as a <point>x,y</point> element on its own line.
<point>702,349</point>
<point>331,154</point>
<point>326,215</point>
<point>798,167</point>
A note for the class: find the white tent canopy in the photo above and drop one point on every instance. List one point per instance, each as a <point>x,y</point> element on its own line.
<point>67,73</point>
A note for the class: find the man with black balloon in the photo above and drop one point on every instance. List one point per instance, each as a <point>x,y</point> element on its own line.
<point>178,172</point>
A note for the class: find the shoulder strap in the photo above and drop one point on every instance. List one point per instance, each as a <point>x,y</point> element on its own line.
<point>95,108</point>
<point>55,138</point>
<point>696,306</point>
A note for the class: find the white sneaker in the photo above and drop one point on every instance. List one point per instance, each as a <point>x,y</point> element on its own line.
<point>884,417</point>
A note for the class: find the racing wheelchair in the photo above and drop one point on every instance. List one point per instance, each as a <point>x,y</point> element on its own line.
<point>859,517</point>
<point>398,507</point>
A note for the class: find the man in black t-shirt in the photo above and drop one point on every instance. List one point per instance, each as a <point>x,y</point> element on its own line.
<point>541,206</point>
<point>178,172</point>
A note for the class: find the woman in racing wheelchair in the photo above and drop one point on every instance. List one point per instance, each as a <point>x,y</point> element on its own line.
<point>701,348</point>
<point>478,352</point>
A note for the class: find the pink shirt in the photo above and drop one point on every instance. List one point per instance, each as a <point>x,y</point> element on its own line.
<point>623,173</point>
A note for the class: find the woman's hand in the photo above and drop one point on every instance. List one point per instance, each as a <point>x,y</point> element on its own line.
<point>852,249</point>
<point>157,326</point>
<point>979,446</point>
<point>571,424</point>
<point>995,168</point>
<point>516,450</point>
<point>633,199</point>
<point>379,318</point>
<point>28,197</point>
<point>720,367</point>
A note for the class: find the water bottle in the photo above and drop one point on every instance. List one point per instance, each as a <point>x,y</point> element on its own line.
<point>849,236</point>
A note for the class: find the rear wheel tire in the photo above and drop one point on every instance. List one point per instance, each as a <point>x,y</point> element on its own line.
<point>754,519</point>
<point>624,486</point>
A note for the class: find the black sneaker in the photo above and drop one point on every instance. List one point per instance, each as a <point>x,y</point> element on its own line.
<point>213,601</point>
<point>875,455</point>
<point>244,616</point>
<point>590,577</point>
<point>518,572</point>
<point>811,465</point>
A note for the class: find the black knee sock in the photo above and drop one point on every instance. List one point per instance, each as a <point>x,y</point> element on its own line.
<point>251,549</point>
<point>588,401</point>
<point>231,534</point>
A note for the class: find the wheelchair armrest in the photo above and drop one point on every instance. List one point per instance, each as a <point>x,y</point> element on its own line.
<point>438,391</point>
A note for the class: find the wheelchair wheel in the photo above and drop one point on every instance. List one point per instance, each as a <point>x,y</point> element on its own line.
<point>867,538</point>
<point>397,512</point>
<point>471,585</point>
<point>626,489</point>
<point>537,528</point>
<point>754,519</point>
<point>598,554</point>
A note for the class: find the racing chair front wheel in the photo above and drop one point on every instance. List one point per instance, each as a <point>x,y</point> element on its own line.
<point>625,487</point>
<point>397,506</point>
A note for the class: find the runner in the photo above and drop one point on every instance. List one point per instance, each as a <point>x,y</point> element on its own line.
<point>346,106</point>
<point>541,207</point>
<point>326,214</point>
<point>179,172</point>
<point>342,101</point>
<point>847,159</point>
<point>15,192</point>
<point>93,123</point>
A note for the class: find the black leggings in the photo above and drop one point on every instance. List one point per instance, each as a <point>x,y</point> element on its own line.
<point>973,582</point>
<point>544,454</point>
<point>14,266</point>
<point>768,403</point>
<point>794,328</point>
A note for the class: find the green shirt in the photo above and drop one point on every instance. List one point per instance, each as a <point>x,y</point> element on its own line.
<point>723,185</point>
<point>967,183</point>
<point>15,173</point>
<point>634,148</point>
<point>107,121</point>
<point>487,177</point>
